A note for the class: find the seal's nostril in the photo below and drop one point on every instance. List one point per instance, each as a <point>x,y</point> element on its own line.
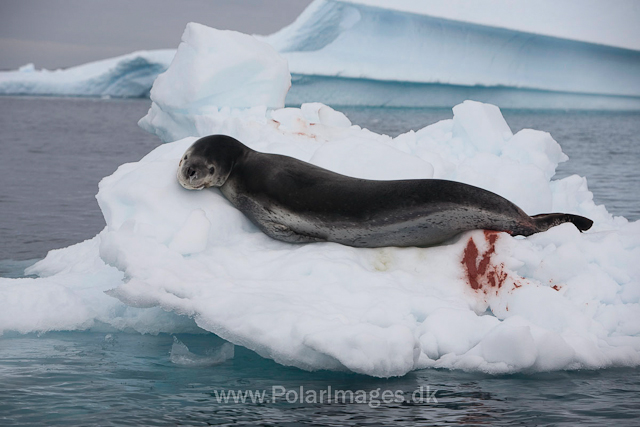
<point>191,172</point>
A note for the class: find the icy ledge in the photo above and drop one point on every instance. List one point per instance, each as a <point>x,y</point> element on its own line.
<point>484,302</point>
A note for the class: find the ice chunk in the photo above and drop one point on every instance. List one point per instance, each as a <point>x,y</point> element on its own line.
<point>380,312</point>
<point>221,69</point>
<point>180,355</point>
<point>213,70</point>
<point>490,131</point>
<point>485,301</point>
<point>27,68</point>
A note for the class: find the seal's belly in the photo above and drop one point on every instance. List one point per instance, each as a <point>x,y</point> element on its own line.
<point>418,230</point>
<point>421,230</point>
<point>417,226</point>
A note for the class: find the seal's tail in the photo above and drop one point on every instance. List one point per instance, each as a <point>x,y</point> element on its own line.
<point>546,221</point>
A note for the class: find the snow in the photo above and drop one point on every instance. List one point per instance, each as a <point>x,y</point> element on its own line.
<point>127,76</point>
<point>173,260</point>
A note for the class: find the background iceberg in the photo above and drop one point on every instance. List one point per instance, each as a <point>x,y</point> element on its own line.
<point>402,55</point>
<point>127,76</point>
<point>538,55</point>
<point>581,20</point>
<point>565,300</point>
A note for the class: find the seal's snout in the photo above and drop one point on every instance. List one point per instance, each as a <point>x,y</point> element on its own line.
<point>192,176</point>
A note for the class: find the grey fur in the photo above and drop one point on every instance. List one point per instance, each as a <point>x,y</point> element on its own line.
<point>297,202</point>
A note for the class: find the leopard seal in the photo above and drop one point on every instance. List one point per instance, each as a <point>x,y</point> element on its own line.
<point>297,202</point>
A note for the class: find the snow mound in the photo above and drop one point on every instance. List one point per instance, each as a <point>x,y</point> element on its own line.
<point>127,76</point>
<point>547,302</point>
<point>485,301</point>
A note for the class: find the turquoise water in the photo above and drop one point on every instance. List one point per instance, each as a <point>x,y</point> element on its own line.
<point>108,378</point>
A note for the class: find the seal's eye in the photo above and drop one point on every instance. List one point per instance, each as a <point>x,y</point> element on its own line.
<point>185,157</point>
<point>212,170</point>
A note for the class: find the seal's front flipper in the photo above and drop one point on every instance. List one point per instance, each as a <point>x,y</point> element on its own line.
<point>285,234</point>
<point>546,221</point>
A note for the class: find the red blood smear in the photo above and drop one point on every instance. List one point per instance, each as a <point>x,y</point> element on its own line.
<point>480,272</point>
<point>469,263</point>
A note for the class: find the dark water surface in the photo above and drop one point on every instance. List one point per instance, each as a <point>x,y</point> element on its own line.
<point>54,153</point>
<point>83,378</point>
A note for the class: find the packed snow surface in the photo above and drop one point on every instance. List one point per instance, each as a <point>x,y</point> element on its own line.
<point>175,260</point>
<point>127,76</point>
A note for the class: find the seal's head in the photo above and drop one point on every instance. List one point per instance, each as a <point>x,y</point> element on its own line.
<point>209,162</point>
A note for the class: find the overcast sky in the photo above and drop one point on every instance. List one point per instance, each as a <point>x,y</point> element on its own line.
<point>62,33</point>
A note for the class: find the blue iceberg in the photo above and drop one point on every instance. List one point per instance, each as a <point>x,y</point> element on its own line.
<point>435,53</point>
<point>398,54</point>
<point>126,76</point>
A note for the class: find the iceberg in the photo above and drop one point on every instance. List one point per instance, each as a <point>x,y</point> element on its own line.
<point>438,53</point>
<point>566,54</point>
<point>127,76</point>
<point>580,20</point>
<point>173,260</point>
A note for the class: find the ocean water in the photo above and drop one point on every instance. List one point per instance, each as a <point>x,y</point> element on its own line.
<point>83,378</point>
<point>55,151</point>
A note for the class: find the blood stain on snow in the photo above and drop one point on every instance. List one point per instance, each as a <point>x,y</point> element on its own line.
<point>480,272</point>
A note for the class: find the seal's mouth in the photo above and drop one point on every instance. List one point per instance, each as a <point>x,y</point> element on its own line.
<point>189,184</point>
<point>188,177</point>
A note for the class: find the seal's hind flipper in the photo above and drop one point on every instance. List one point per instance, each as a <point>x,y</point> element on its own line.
<point>546,221</point>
